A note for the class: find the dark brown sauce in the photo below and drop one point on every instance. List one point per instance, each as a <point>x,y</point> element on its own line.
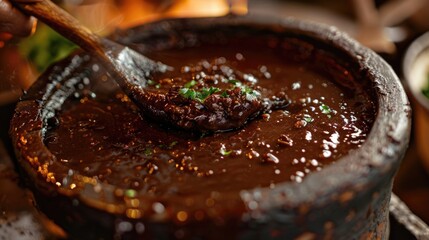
<point>104,136</point>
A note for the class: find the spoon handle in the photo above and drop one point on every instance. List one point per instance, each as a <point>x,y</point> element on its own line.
<point>62,22</point>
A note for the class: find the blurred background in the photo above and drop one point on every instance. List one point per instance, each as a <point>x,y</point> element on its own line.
<point>386,26</point>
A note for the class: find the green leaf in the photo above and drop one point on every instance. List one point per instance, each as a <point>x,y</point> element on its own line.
<point>188,93</point>
<point>235,82</point>
<point>172,144</point>
<point>224,94</point>
<point>325,109</point>
<point>246,89</point>
<point>148,151</point>
<point>205,92</point>
<point>190,84</point>
<point>131,193</point>
<point>224,152</point>
<point>308,119</point>
<point>151,82</point>
<point>198,95</point>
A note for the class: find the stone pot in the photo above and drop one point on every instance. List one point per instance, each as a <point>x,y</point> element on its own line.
<point>346,200</point>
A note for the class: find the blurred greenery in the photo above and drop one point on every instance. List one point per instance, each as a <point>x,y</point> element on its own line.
<point>425,90</point>
<point>45,47</point>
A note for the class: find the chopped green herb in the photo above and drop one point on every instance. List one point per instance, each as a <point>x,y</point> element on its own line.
<point>205,92</point>
<point>246,89</point>
<point>151,82</point>
<point>148,151</point>
<point>224,94</point>
<point>198,95</point>
<point>250,92</point>
<point>172,144</point>
<point>235,82</point>
<point>224,152</point>
<point>169,146</point>
<point>308,119</point>
<point>131,193</point>
<point>188,93</point>
<point>190,84</point>
<point>325,109</point>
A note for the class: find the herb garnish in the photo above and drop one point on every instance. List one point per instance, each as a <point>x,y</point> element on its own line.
<point>190,84</point>
<point>326,110</point>
<point>308,119</point>
<point>172,144</point>
<point>251,94</point>
<point>151,82</point>
<point>189,92</point>
<point>131,193</point>
<point>198,95</point>
<point>224,94</point>
<point>148,151</point>
<point>224,152</point>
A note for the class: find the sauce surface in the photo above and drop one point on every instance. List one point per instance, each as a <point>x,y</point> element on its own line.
<point>103,135</point>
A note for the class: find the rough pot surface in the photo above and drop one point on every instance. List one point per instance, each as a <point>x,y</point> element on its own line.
<point>346,200</point>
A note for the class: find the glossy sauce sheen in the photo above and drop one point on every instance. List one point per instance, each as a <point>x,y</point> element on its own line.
<point>104,136</point>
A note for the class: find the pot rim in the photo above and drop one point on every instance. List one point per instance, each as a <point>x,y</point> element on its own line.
<point>378,158</point>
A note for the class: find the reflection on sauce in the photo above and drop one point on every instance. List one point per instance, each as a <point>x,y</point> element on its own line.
<point>103,135</point>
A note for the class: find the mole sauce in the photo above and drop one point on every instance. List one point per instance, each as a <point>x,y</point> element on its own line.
<point>103,135</point>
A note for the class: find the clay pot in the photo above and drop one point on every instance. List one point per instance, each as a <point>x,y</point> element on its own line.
<point>346,200</point>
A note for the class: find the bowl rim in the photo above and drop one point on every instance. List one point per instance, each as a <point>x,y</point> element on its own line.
<point>377,159</point>
<point>417,48</point>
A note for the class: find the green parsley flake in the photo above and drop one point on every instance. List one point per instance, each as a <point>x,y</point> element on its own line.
<point>224,152</point>
<point>235,82</point>
<point>172,144</point>
<point>250,93</point>
<point>198,95</point>
<point>151,82</point>
<point>325,109</point>
<point>190,84</point>
<point>205,92</point>
<point>224,94</point>
<point>131,193</point>
<point>188,93</point>
<point>148,151</point>
<point>308,119</point>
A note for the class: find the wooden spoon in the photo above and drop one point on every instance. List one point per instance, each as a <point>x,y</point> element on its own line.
<point>131,70</point>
